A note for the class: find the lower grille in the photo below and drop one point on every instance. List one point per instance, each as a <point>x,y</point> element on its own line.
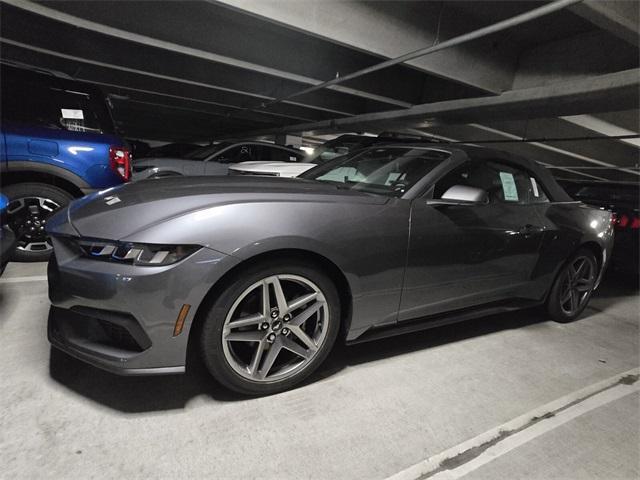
<point>119,336</point>
<point>98,330</point>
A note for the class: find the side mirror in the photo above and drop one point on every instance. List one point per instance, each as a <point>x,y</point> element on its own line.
<point>461,195</point>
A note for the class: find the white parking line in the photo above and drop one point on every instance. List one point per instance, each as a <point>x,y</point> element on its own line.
<point>510,435</point>
<point>34,278</point>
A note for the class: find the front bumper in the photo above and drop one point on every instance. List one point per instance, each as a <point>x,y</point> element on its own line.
<point>121,318</point>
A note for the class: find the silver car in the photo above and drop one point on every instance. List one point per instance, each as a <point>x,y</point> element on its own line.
<point>214,159</point>
<point>262,275</point>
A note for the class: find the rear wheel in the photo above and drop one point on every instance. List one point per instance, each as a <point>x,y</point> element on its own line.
<point>573,287</point>
<point>271,328</point>
<point>30,206</point>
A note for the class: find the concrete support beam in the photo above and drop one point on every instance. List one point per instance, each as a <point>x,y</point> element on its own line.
<point>598,94</point>
<point>619,17</point>
<point>196,53</point>
<point>575,58</point>
<point>374,27</point>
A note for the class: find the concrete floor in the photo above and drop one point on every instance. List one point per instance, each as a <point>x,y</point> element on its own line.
<point>372,411</point>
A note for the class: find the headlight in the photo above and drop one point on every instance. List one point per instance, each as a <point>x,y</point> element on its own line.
<point>137,253</point>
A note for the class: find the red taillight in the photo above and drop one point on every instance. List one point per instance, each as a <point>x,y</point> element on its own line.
<point>626,221</point>
<point>120,162</point>
<point>623,221</point>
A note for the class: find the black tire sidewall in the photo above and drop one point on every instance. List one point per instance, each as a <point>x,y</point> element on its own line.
<point>211,332</point>
<point>21,190</point>
<point>553,302</point>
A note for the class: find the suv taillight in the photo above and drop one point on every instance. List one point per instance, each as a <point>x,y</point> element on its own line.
<point>120,162</point>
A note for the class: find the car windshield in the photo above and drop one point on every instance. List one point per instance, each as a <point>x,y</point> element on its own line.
<point>389,171</point>
<point>205,152</point>
<point>333,149</point>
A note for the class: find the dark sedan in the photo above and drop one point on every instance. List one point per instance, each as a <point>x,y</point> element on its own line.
<point>263,275</point>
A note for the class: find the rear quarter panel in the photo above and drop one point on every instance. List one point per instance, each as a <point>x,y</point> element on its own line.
<point>569,225</point>
<point>83,154</point>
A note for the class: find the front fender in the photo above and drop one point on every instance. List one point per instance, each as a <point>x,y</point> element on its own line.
<point>366,241</point>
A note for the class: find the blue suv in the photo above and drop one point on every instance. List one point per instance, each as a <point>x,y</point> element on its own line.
<point>57,143</point>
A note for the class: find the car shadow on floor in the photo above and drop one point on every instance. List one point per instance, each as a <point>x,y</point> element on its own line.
<point>152,394</point>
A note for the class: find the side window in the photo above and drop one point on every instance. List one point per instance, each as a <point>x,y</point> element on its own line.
<point>503,183</point>
<point>281,155</point>
<point>261,153</point>
<point>37,103</point>
<point>536,192</point>
<point>237,154</point>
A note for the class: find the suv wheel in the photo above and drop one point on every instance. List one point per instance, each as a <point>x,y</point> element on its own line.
<point>30,206</point>
<point>271,328</point>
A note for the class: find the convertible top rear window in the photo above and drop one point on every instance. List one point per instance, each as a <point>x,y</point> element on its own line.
<point>389,171</point>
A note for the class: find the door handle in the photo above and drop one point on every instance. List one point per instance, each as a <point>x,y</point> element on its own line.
<point>529,229</point>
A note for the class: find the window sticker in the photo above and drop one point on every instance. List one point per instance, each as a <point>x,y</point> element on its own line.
<point>72,113</point>
<point>534,185</point>
<point>509,187</point>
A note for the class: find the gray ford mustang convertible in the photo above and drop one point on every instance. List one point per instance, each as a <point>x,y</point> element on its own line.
<point>263,275</point>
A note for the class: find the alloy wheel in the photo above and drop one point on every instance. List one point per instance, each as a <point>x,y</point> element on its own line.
<point>28,217</point>
<point>275,328</point>
<point>579,280</point>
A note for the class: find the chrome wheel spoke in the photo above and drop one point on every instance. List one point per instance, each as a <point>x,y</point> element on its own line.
<point>306,314</point>
<point>251,336</point>
<point>574,301</point>
<point>304,338</point>
<point>297,349</point>
<point>578,270</point>
<point>572,272</point>
<point>270,359</point>
<point>301,301</point>
<point>247,321</point>
<point>266,303</point>
<point>281,301</point>
<point>257,356</point>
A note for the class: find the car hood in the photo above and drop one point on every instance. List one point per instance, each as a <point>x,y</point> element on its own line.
<point>284,169</point>
<point>122,211</point>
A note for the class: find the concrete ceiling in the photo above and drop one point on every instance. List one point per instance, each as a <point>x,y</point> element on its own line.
<point>205,70</point>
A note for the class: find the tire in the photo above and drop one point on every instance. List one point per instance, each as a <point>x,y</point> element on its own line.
<point>573,287</point>
<point>233,362</point>
<point>33,247</point>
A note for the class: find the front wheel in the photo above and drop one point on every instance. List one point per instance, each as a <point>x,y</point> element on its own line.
<point>30,206</point>
<point>271,327</point>
<point>573,287</point>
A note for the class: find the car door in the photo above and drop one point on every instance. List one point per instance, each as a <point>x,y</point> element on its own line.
<point>464,255</point>
<point>219,163</point>
<point>190,167</point>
